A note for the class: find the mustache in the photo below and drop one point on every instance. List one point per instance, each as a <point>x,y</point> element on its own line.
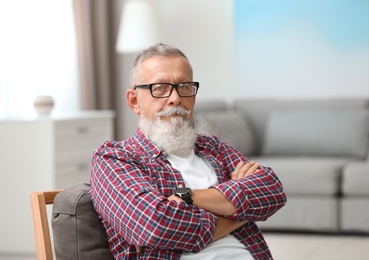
<point>174,110</point>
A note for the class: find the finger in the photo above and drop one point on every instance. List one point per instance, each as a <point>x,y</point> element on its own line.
<point>252,169</point>
<point>247,167</point>
<point>138,249</point>
<point>237,171</point>
<point>174,197</point>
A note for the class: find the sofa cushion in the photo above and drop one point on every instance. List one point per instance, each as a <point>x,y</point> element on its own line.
<point>258,110</point>
<point>355,179</point>
<point>306,175</point>
<point>230,127</point>
<point>308,213</point>
<point>317,132</point>
<point>354,214</point>
<point>78,232</point>
<point>210,106</point>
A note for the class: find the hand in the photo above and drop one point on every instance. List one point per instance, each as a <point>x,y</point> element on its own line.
<point>244,169</point>
<point>174,197</point>
<point>138,249</point>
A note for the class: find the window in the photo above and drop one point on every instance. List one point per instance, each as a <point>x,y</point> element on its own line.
<point>38,56</point>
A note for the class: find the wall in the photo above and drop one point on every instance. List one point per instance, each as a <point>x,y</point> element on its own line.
<point>302,49</point>
<point>296,60</point>
<point>203,31</point>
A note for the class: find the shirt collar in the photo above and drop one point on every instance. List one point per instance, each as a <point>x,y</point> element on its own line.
<point>147,144</point>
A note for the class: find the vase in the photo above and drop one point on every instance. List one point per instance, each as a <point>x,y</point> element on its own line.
<point>43,104</point>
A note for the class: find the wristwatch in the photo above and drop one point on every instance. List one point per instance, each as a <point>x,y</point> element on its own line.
<point>184,194</point>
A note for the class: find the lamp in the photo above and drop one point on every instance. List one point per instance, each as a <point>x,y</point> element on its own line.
<point>138,26</point>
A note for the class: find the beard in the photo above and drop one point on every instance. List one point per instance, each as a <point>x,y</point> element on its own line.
<point>177,136</point>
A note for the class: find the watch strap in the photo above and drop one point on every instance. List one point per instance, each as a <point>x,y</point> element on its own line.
<point>187,198</point>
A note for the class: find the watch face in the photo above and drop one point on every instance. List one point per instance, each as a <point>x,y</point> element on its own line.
<point>184,194</point>
<point>183,191</point>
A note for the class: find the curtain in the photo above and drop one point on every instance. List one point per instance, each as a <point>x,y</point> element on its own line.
<point>93,43</point>
<point>95,29</point>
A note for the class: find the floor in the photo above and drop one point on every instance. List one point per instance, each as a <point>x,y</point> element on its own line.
<point>296,246</point>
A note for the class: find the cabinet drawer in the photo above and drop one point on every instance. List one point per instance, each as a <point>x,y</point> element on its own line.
<point>78,148</point>
<point>76,129</point>
<point>81,125</point>
<point>78,139</point>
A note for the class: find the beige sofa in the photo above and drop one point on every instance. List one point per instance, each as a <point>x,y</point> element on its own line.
<point>318,148</point>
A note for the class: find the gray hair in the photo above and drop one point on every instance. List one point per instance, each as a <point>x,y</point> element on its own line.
<point>159,49</point>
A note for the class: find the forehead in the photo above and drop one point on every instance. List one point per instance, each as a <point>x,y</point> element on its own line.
<point>172,67</point>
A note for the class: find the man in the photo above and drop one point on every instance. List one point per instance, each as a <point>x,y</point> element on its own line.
<point>168,193</point>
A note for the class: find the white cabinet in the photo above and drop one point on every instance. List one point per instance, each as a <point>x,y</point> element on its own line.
<point>43,154</point>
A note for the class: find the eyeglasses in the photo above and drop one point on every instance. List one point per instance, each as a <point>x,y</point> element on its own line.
<point>164,90</point>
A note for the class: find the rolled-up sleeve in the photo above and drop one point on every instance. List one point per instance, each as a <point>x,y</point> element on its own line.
<point>256,197</point>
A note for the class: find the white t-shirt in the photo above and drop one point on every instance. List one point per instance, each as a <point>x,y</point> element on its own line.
<point>198,173</point>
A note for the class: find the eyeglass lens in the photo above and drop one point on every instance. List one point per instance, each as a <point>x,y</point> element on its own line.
<point>163,89</point>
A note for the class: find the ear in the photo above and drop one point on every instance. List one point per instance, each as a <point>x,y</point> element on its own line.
<point>132,100</point>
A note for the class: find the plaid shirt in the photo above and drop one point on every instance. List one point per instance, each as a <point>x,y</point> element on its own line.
<point>130,183</point>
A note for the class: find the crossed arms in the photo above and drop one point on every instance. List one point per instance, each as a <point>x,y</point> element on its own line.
<point>135,195</point>
<point>214,201</point>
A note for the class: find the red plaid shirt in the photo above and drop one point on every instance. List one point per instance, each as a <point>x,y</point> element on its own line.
<point>130,183</point>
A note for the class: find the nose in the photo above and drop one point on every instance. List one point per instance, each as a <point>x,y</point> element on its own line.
<point>174,98</point>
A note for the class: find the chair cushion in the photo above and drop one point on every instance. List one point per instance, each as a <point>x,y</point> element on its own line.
<point>230,127</point>
<point>78,231</point>
<point>317,132</point>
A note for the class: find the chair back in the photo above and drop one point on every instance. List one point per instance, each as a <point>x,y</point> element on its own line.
<point>39,200</point>
<point>77,230</point>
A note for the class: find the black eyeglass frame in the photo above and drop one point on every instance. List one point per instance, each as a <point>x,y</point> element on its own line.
<point>149,86</point>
